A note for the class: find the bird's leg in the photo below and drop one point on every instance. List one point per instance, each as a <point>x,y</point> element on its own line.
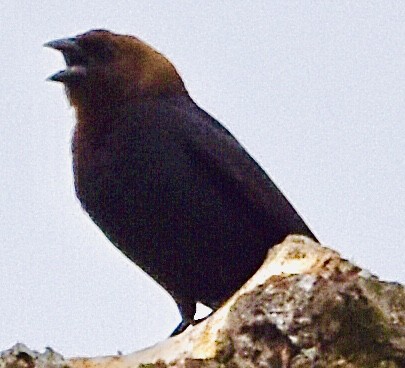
<point>187,312</point>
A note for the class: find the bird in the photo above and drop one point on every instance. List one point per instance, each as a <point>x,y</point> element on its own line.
<point>166,182</point>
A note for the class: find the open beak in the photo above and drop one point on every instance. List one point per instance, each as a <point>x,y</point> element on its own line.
<point>76,61</point>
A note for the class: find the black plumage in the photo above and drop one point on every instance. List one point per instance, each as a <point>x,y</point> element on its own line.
<point>166,182</point>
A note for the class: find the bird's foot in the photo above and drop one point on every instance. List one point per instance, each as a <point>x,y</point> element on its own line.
<point>187,311</point>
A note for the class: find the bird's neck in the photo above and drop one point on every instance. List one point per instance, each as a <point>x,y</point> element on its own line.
<point>97,120</point>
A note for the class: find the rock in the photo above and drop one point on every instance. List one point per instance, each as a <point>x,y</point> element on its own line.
<point>305,307</point>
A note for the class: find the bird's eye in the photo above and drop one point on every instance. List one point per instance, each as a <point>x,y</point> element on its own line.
<point>99,51</point>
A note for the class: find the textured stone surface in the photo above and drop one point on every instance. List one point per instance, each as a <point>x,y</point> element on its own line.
<point>305,307</point>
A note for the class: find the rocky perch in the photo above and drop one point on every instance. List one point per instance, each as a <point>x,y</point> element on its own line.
<point>305,307</point>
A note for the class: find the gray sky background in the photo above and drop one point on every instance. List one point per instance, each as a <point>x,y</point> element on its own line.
<point>314,90</point>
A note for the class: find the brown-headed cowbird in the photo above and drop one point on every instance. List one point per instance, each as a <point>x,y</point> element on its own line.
<point>166,182</point>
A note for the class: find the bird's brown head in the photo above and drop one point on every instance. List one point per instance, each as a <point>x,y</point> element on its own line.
<point>105,69</point>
